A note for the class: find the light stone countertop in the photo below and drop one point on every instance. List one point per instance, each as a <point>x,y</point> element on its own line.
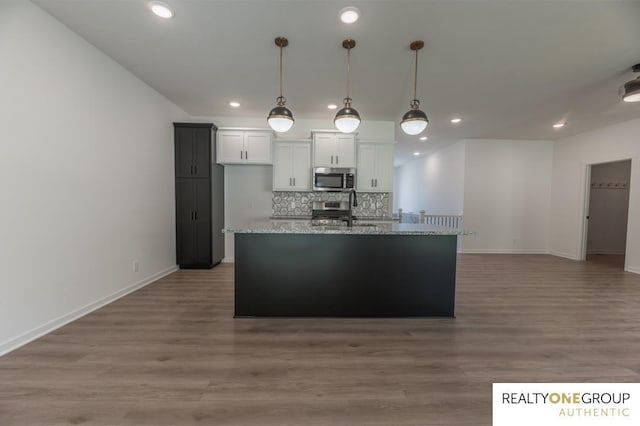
<point>362,228</point>
<point>361,218</point>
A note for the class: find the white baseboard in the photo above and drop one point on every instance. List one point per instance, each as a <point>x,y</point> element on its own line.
<point>502,251</point>
<point>228,260</point>
<point>633,269</point>
<point>48,327</point>
<point>565,255</point>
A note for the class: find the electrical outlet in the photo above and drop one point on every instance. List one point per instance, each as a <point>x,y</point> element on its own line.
<point>136,266</point>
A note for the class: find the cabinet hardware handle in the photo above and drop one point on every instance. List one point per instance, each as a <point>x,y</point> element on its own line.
<point>246,155</point>
<point>191,215</point>
<point>241,155</point>
<point>332,159</point>
<point>195,169</point>
<point>294,181</point>
<point>195,215</point>
<point>337,159</point>
<point>289,181</point>
<point>375,183</point>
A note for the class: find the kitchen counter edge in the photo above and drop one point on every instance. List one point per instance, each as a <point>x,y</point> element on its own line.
<point>280,227</point>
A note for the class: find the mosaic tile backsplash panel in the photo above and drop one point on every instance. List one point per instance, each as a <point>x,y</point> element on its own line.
<point>370,204</point>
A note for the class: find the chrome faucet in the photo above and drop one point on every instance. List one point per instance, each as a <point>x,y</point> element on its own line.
<point>352,196</point>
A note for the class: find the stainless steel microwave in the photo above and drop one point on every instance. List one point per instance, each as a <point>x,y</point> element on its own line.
<point>333,179</point>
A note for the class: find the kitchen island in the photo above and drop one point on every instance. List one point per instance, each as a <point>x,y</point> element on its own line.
<point>295,269</point>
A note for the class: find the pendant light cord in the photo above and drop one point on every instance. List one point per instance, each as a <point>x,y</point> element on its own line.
<point>415,78</point>
<point>348,44</point>
<point>281,71</point>
<point>348,69</point>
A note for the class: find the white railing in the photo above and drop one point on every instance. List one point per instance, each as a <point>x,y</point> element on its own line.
<point>449,221</point>
<point>446,220</point>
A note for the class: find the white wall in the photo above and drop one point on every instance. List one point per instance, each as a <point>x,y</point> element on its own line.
<point>608,207</point>
<point>571,157</point>
<point>86,176</point>
<point>434,183</point>
<point>507,185</point>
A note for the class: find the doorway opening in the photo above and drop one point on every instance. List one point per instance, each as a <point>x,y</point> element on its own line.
<point>607,213</point>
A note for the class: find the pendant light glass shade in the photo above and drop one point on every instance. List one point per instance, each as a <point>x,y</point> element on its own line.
<point>347,119</point>
<point>280,118</point>
<point>279,124</point>
<point>415,120</point>
<point>347,124</point>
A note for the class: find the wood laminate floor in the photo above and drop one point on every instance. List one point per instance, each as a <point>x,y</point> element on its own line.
<point>171,353</point>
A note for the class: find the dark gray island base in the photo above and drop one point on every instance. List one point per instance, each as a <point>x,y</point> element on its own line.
<point>344,274</point>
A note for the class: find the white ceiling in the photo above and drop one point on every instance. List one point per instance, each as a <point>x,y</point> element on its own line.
<point>510,68</point>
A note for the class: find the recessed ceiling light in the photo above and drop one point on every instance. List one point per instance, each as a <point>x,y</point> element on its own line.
<point>332,106</point>
<point>558,125</point>
<point>161,9</point>
<point>423,138</point>
<point>416,153</point>
<point>234,104</point>
<point>349,15</point>
<point>456,120</point>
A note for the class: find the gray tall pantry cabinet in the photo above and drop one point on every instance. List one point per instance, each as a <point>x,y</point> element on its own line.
<point>199,196</point>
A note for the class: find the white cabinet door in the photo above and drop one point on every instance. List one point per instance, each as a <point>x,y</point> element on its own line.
<point>257,148</point>
<point>324,150</point>
<point>375,168</point>
<point>282,176</point>
<point>345,150</point>
<point>292,166</point>
<point>366,170</point>
<point>244,147</point>
<point>384,168</point>
<point>334,150</point>
<point>301,166</point>
<point>230,147</point>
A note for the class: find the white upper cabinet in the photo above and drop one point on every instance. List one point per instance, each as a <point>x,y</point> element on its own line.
<point>292,166</point>
<point>375,167</point>
<point>236,146</point>
<point>334,149</point>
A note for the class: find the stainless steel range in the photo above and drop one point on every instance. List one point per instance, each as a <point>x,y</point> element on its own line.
<point>330,212</point>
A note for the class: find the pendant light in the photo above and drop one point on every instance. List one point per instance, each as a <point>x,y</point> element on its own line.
<point>347,119</point>
<point>415,120</point>
<point>632,88</point>
<point>280,118</point>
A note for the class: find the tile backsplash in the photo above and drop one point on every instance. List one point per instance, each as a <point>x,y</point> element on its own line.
<point>370,204</point>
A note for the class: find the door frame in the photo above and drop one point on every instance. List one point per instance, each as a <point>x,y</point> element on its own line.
<point>586,175</point>
<point>585,210</point>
